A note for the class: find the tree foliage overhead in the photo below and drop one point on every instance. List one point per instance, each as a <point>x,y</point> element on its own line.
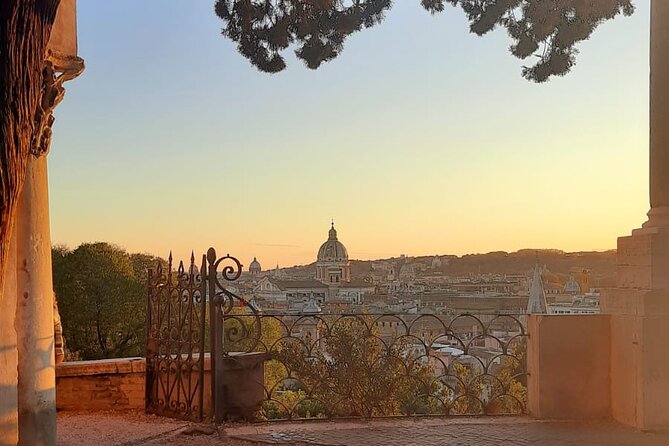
<point>263,29</point>
<point>547,30</point>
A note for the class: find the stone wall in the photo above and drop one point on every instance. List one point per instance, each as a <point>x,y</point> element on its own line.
<point>568,361</point>
<point>110,384</point>
<point>119,384</point>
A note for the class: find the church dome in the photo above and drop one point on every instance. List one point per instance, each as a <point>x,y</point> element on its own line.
<point>572,286</point>
<point>332,250</point>
<point>255,268</point>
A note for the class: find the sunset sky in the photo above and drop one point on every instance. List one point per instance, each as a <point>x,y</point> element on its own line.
<point>419,139</point>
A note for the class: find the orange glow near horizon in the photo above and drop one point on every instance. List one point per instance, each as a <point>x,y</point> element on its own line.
<point>431,145</point>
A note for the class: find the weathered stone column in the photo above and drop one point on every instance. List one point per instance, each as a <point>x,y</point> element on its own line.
<point>34,311</point>
<point>9,415</point>
<point>659,115</point>
<point>36,390</point>
<point>639,305</point>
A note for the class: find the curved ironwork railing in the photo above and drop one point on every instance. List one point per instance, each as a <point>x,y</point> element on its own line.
<point>364,365</point>
<point>324,365</point>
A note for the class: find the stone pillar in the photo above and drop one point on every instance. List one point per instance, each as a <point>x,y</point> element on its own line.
<point>9,418</point>
<point>659,114</point>
<point>27,374</point>
<point>34,322</point>
<point>639,305</point>
<point>34,311</point>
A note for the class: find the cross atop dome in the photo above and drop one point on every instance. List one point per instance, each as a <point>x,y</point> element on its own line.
<point>333,232</point>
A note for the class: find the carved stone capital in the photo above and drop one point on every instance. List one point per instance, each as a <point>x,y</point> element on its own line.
<point>58,69</point>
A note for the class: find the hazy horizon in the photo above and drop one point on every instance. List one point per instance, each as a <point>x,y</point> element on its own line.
<point>266,267</point>
<point>419,139</point>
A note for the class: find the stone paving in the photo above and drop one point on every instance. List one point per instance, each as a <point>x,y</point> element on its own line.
<point>135,429</point>
<point>438,432</point>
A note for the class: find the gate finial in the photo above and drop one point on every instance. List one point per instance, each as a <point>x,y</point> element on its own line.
<point>211,256</point>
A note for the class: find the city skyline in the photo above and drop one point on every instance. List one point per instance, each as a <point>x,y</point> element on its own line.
<point>397,147</point>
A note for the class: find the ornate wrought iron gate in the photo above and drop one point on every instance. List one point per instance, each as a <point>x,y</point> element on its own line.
<point>181,332</point>
<point>176,326</point>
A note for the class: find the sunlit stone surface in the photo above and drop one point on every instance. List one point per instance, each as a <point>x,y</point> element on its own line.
<point>640,304</point>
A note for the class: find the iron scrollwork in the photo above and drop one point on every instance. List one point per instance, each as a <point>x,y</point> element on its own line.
<point>226,305</point>
<point>176,317</point>
<point>226,309</point>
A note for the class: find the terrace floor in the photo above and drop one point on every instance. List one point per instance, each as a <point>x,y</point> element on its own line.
<point>134,429</point>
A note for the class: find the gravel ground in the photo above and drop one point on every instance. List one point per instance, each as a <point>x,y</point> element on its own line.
<point>135,429</point>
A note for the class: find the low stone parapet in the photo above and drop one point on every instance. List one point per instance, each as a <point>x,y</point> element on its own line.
<point>108,384</point>
<point>120,384</point>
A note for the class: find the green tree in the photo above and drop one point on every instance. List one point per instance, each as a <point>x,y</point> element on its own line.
<point>509,391</point>
<point>350,372</point>
<point>464,395</point>
<point>545,30</point>
<point>101,292</point>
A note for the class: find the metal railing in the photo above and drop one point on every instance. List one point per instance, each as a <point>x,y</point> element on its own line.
<point>321,365</point>
<point>364,365</point>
